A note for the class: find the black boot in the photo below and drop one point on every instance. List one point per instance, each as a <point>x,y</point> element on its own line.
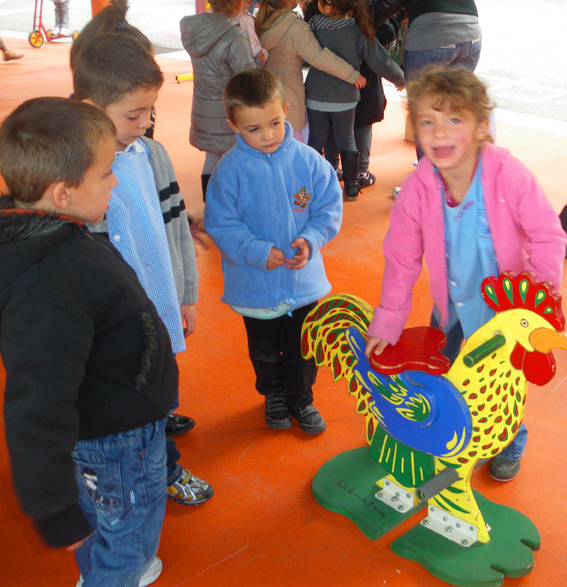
<point>351,188</point>
<point>204,183</point>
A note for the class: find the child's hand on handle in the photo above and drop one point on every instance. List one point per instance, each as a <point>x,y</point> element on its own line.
<point>301,256</point>
<point>401,88</point>
<point>360,82</point>
<point>276,259</point>
<point>375,345</point>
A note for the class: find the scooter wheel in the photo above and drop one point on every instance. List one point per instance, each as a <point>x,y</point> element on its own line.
<point>35,39</point>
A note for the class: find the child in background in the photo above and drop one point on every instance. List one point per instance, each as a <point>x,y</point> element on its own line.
<point>272,204</point>
<point>146,219</point>
<point>111,19</point>
<point>473,210</point>
<point>332,102</point>
<point>289,42</point>
<point>247,23</point>
<point>369,109</point>
<point>218,48</point>
<point>90,372</point>
<point>61,27</point>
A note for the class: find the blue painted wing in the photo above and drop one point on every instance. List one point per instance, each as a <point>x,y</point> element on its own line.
<point>426,412</point>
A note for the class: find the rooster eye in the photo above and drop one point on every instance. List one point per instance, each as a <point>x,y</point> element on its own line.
<point>524,322</point>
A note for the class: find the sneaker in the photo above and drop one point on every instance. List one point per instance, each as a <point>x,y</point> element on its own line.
<point>64,31</point>
<point>177,424</point>
<point>153,572</point>
<point>190,490</point>
<point>308,418</point>
<point>365,179</point>
<point>55,31</point>
<point>503,469</point>
<point>395,192</point>
<point>277,412</point>
<point>12,55</point>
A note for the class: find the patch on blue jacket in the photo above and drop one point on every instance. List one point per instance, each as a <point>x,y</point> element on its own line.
<point>301,200</point>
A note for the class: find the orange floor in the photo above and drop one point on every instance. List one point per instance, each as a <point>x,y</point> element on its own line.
<point>262,527</point>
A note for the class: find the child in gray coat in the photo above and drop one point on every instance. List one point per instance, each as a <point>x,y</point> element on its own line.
<point>218,48</point>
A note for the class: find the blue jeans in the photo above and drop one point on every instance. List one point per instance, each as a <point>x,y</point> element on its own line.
<point>515,450</point>
<point>122,492</point>
<point>174,469</point>
<point>458,55</point>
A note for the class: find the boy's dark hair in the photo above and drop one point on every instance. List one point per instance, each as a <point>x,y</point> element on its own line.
<point>251,88</point>
<point>112,65</point>
<point>111,19</point>
<point>47,140</point>
<point>455,89</point>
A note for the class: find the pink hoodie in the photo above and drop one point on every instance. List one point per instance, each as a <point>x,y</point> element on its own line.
<point>526,235</point>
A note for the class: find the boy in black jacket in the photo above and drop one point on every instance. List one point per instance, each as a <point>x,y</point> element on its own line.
<point>90,372</point>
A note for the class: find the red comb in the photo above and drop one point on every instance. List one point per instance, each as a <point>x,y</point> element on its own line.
<point>509,291</point>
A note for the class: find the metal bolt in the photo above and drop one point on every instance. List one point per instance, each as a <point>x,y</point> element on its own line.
<point>395,499</point>
<point>448,529</point>
<point>400,508</point>
<point>445,518</point>
<point>464,542</point>
<point>432,509</point>
<point>458,525</point>
<point>397,494</point>
<point>425,522</point>
<point>471,528</point>
<point>387,483</point>
<point>379,495</point>
<point>408,495</point>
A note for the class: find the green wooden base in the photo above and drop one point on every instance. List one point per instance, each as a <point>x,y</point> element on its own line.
<point>347,483</point>
<point>513,538</point>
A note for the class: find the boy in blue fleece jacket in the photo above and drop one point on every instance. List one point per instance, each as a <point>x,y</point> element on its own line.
<point>272,204</point>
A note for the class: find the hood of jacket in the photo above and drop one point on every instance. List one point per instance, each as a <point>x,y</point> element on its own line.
<point>27,236</point>
<point>201,32</point>
<point>276,27</point>
<point>320,23</point>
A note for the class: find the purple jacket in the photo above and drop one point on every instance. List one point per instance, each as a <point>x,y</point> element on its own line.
<point>526,235</point>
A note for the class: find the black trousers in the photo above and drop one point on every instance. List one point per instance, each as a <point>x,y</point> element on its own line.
<point>274,347</point>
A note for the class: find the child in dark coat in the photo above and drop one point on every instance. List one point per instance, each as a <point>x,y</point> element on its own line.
<point>90,371</point>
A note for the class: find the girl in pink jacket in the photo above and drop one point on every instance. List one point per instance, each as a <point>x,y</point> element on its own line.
<point>473,211</point>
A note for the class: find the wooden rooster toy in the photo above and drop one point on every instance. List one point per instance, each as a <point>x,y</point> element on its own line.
<point>428,423</point>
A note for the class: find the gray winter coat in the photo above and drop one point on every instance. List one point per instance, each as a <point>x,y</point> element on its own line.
<point>218,48</point>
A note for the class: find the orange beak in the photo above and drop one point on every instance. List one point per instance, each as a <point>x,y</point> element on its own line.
<point>545,340</point>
